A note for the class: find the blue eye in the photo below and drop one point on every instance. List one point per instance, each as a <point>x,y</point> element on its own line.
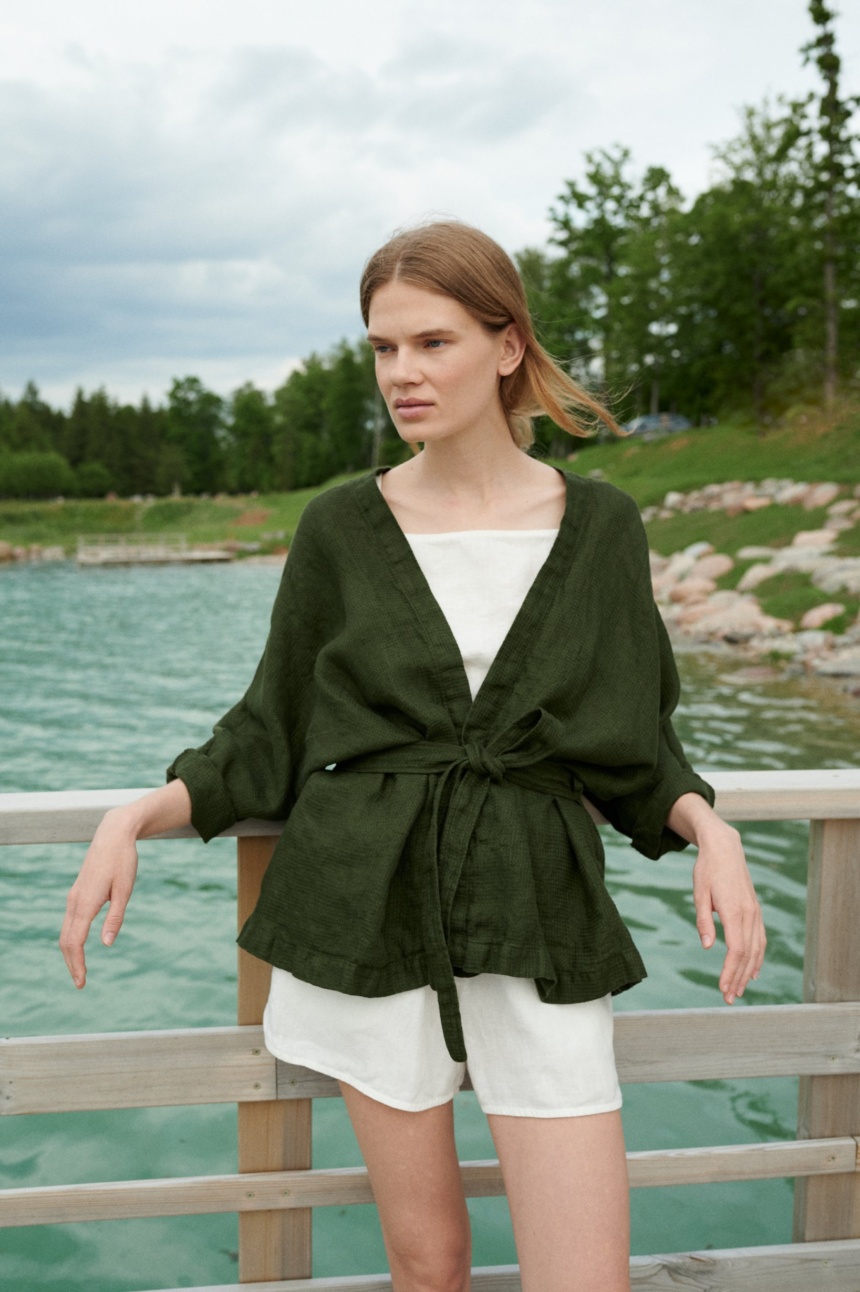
<point>436,341</point>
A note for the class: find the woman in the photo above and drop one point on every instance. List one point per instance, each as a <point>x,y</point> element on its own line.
<point>461,648</point>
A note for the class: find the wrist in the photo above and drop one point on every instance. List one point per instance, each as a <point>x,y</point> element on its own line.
<point>715,831</point>
<point>692,817</point>
<point>126,821</point>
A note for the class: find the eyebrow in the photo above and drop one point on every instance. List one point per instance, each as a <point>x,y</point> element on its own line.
<point>419,336</point>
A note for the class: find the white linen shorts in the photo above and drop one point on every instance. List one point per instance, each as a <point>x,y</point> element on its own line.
<point>527,1058</point>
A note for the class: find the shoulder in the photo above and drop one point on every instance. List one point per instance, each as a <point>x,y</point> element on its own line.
<point>617,534</point>
<point>336,501</point>
<point>608,502</point>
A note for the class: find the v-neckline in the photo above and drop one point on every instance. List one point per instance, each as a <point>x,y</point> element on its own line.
<point>512,653</point>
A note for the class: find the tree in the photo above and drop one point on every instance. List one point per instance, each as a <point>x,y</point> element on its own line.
<point>249,462</point>
<point>196,431</point>
<point>33,423</point>
<point>737,265</point>
<point>607,289</point>
<point>347,405</point>
<point>832,175</point>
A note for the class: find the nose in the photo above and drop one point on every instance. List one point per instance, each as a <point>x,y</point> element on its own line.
<point>404,370</point>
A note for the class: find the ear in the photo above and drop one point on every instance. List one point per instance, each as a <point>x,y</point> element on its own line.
<point>512,347</point>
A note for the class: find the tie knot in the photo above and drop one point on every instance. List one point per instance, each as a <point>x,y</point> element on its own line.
<point>483,763</point>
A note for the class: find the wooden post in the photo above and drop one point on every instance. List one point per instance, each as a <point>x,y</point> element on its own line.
<point>274,1135</point>
<point>830,1208</point>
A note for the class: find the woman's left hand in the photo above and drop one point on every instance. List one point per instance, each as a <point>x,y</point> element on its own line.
<point>722,885</point>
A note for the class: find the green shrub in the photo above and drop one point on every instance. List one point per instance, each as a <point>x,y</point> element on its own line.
<point>35,475</point>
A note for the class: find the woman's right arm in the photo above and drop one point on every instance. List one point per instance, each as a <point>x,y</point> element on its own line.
<point>110,866</point>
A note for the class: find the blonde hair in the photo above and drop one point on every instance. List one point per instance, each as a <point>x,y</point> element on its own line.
<point>459,261</point>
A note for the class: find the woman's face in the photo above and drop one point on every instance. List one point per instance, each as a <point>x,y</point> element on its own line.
<point>437,367</point>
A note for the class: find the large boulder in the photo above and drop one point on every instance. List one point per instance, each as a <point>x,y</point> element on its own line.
<point>840,663</point>
<point>818,616</point>
<point>814,538</point>
<point>820,495</point>
<point>692,589</point>
<point>711,566</point>
<point>755,575</point>
<point>729,616</point>
<point>838,575</point>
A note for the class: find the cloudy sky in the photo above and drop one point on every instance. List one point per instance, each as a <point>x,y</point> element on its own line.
<point>192,186</point>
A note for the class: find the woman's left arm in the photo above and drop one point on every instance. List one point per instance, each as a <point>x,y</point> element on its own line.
<point>722,884</point>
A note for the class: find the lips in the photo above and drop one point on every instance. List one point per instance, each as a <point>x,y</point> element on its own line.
<point>411,410</point>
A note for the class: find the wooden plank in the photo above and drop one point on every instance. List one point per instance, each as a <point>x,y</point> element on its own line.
<point>500,1278</point>
<point>697,1045</point>
<point>274,1136</point>
<point>777,1160</point>
<point>294,1191</point>
<point>71,816</point>
<point>805,795</point>
<point>231,1064</point>
<point>134,1070</point>
<point>807,1267</point>
<point>830,1105</point>
<point>728,1041</point>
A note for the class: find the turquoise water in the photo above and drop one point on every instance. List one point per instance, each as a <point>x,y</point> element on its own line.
<point>105,676</point>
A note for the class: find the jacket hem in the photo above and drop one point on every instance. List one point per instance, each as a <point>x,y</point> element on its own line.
<point>568,985</point>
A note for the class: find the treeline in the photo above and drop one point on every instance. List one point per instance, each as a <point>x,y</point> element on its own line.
<point>747,300</point>
<point>325,418</point>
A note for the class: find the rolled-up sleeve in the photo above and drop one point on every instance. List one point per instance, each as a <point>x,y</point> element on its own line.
<point>637,800</point>
<point>248,766</point>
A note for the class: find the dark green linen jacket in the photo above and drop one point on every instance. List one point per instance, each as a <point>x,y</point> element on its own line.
<point>428,835</point>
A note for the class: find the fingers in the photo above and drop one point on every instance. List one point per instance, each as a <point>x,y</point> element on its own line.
<point>107,876</point>
<point>745,943</point>
<point>704,916</point>
<point>115,916</point>
<point>73,935</point>
<point>722,885</point>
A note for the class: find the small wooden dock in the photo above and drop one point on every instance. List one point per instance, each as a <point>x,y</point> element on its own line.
<point>145,549</point>
<point>277,1187</point>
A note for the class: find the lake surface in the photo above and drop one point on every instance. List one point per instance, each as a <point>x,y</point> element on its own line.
<point>105,675</point>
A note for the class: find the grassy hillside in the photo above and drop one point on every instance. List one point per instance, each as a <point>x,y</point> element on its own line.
<point>809,446</point>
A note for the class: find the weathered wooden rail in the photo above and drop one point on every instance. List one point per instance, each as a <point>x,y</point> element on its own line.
<point>276,1187</point>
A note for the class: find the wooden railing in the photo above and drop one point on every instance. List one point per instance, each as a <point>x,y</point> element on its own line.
<point>276,1188</point>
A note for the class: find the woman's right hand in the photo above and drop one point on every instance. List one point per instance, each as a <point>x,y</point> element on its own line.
<point>110,867</point>
<point>107,875</point>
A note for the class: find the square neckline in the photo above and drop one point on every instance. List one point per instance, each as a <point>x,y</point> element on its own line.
<point>430,619</point>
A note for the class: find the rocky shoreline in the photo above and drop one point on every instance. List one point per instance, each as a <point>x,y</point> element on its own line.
<point>696,610</point>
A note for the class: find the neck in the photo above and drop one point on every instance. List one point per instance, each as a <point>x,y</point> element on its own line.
<point>472,468</point>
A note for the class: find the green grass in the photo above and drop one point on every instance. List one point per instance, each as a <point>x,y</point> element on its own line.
<point>814,449</point>
<point>790,595</point>
<point>202,520</point>
<point>849,542</point>
<point>773,526</point>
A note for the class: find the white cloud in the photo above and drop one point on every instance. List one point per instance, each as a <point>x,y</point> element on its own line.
<point>193,187</point>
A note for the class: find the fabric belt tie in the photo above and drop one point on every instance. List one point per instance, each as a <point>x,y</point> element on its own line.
<point>521,755</point>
